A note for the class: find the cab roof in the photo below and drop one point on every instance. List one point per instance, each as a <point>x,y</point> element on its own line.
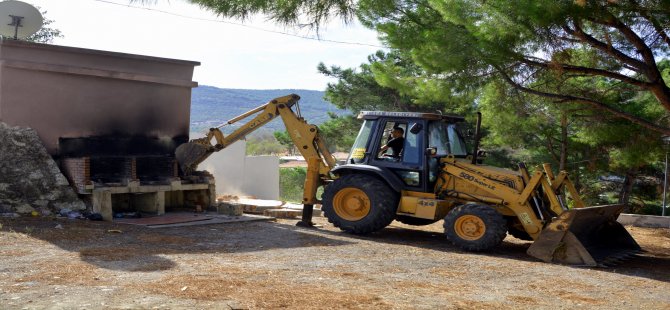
<point>428,116</point>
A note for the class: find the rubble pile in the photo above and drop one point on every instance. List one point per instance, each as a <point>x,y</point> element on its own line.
<point>30,181</point>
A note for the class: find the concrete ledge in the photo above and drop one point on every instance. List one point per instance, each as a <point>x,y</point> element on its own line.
<point>651,221</point>
<point>136,188</point>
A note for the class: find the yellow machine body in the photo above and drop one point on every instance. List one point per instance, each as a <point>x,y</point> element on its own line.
<point>564,231</point>
<point>480,204</point>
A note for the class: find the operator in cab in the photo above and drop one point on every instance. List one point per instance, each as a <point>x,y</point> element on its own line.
<point>395,144</point>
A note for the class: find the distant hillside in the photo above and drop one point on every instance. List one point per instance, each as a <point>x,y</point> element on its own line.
<point>211,106</point>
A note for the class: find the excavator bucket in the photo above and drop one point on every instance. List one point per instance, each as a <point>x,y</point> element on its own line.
<point>189,155</point>
<point>585,236</point>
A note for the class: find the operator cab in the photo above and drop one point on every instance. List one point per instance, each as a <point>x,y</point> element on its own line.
<point>426,138</point>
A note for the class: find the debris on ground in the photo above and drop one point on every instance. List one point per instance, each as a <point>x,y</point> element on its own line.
<point>290,211</point>
<point>249,204</point>
<point>30,180</point>
<point>229,208</point>
<point>267,207</point>
<point>283,213</point>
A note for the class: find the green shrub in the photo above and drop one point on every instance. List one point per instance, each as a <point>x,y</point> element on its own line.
<point>292,184</point>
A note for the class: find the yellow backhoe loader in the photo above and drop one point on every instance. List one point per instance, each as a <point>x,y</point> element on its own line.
<point>433,177</point>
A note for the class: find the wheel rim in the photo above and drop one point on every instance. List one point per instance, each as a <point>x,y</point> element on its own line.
<point>351,204</point>
<point>470,227</point>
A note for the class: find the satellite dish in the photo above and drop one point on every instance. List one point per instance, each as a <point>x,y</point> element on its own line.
<point>19,20</point>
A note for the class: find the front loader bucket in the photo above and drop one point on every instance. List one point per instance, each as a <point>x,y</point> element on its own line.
<point>586,236</point>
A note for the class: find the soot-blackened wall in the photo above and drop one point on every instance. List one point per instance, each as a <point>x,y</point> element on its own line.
<point>86,102</point>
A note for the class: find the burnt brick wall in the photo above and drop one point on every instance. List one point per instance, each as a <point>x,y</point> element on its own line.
<point>77,171</point>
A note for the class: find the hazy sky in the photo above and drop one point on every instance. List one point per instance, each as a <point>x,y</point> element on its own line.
<point>231,56</point>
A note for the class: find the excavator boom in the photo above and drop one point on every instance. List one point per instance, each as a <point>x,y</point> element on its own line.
<point>305,136</point>
<point>191,154</point>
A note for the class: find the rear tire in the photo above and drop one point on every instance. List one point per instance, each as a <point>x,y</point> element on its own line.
<point>359,204</point>
<point>414,221</point>
<point>475,227</point>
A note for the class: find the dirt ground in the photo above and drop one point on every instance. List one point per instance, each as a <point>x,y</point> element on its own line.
<point>95,265</point>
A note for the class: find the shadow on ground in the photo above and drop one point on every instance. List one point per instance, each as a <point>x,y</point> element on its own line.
<point>136,248</point>
<point>651,264</point>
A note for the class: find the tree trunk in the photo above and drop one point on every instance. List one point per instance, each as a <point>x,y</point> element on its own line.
<point>627,188</point>
<point>577,181</point>
<point>564,141</point>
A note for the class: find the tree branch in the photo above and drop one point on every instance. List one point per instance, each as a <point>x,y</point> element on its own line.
<point>604,47</point>
<point>591,72</point>
<point>659,29</point>
<point>593,103</point>
<point>659,88</point>
<point>642,47</point>
<point>552,151</point>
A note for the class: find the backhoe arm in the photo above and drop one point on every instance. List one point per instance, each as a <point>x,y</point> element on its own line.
<point>305,137</point>
<point>191,154</point>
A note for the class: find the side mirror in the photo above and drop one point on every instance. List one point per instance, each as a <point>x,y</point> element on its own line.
<point>416,128</point>
<point>431,151</point>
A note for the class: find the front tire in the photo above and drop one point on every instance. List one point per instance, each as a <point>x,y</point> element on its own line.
<point>475,227</point>
<point>359,204</point>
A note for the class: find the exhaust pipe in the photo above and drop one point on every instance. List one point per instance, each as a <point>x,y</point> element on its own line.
<point>478,133</point>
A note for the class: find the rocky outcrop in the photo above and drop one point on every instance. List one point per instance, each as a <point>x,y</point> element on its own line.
<point>29,178</point>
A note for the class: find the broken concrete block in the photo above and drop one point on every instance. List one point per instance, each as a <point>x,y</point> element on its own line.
<point>295,206</point>
<point>283,213</point>
<point>230,208</point>
<point>254,206</point>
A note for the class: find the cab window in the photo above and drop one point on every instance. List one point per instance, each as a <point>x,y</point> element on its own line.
<point>412,152</point>
<point>393,141</point>
<point>445,138</point>
<point>358,150</point>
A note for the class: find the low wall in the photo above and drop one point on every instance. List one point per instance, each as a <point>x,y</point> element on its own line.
<point>651,221</point>
<point>238,174</point>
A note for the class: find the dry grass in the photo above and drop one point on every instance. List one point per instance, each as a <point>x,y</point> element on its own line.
<point>134,258</point>
<point>14,252</point>
<point>478,305</point>
<point>655,241</point>
<point>152,265</point>
<point>112,253</point>
<point>449,273</point>
<point>12,237</point>
<point>550,286</point>
<point>258,289</point>
<point>341,274</point>
<point>578,298</point>
<point>523,300</point>
<point>165,239</point>
<point>75,273</point>
<point>84,255</point>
